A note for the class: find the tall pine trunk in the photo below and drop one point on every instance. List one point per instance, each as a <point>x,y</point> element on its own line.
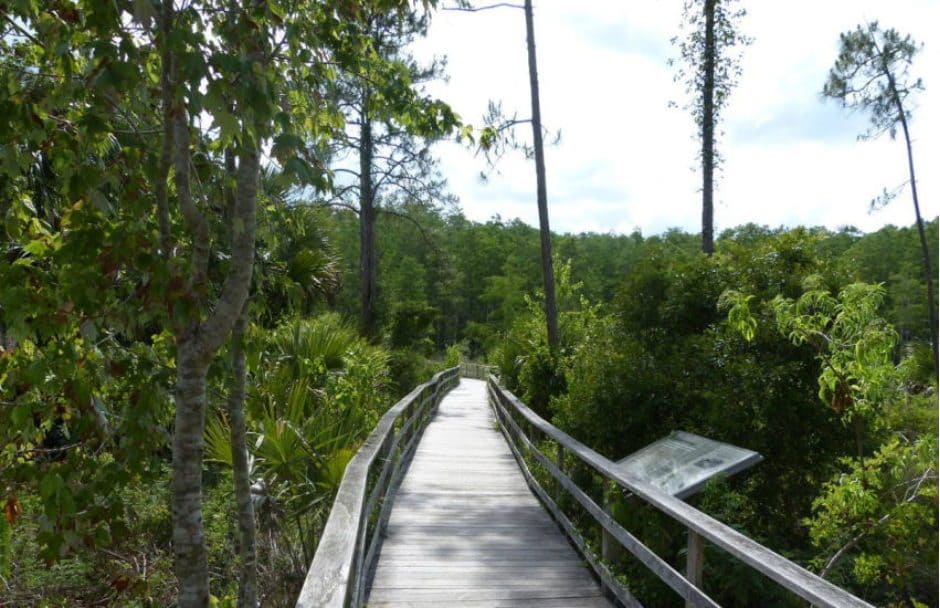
<point>708,131</point>
<point>368,271</point>
<point>548,273</point>
<point>924,247</point>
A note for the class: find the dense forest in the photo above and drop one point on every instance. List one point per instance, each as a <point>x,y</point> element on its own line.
<point>227,249</point>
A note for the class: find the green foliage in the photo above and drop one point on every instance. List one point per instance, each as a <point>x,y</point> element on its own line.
<point>408,369</point>
<point>526,362</point>
<point>872,73</point>
<point>875,522</point>
<point>411,326</point>
<point>296,266</point>
<point>854,344</point>
<point>740,316</point>
<point>136,569</point>
<point>317,390</point>
<point>871,520</point>
<point>665,357</point>
<point>6,548</point>
<point>890,256</point>
<point>94,285</point>
<point>452,356</point>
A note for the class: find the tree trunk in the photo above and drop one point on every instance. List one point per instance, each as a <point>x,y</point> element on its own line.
<point>548,273</point>
<point>924,247</point>
<point>708,130</point>
<point>198,340</point>
<point>247,554</point>
<point>368,281</point>
<point>241,474</point>
<point>197,343</point>
<point>166,148</point>
<point>189,543</point>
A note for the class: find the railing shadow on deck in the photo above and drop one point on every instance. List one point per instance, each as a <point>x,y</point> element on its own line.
<point>514,417</point>
<point>352,535</point>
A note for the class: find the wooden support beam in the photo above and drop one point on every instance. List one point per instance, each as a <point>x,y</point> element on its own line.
<point>695,559</point>
<point>611,549</point>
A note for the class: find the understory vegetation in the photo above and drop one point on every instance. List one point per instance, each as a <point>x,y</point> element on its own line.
<point>798,344</point>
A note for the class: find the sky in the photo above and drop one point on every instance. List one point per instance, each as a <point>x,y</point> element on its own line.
<point>627,161</point>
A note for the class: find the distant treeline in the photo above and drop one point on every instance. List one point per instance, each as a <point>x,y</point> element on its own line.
<point>444,279</point>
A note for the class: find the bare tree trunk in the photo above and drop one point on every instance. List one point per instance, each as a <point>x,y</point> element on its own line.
<point>708,131</point>
<point>197,343</point>
<point>924,247</point>
<point>368,281</point>
<point>247,553</point>
<point>241,473</point>
<point>189,543</point>
<point>548,272</point>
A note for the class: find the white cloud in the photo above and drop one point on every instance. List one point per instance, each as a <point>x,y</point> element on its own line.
<point>625,157</point>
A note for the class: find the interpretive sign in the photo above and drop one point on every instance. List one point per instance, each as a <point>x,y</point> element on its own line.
<point>682,463</point>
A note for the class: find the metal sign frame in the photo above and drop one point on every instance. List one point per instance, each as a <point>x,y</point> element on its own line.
<point>682,463</point>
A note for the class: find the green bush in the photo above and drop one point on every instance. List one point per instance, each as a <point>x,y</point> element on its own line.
<point>665,358</point>
<point>408,369</point>
<point>453,356</point>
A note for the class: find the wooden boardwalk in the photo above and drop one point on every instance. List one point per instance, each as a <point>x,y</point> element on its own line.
<point>465,530</point>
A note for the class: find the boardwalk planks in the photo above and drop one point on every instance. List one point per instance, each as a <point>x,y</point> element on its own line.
<point>466,530</point>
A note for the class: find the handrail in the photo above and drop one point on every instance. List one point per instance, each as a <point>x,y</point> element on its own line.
<point>700,526</point>
<point>477,371</point>
<point>350,539</point>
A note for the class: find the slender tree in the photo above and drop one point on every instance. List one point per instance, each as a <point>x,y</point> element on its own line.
<point>545,233</point>
<point>492,138</point>
<point>871,73</point>
<point>144,259</point>
<point>708,129</point>
<point>198,338</point>
<point>241,473</point>
<point>242,77</point>
<point>390,140</point>
<point>710,64</point>
<point>244,507</point>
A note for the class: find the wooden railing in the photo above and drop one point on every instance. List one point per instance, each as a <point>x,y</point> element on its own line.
<point>477,371</point>
<point>353,531</point>
<point>526,432</point>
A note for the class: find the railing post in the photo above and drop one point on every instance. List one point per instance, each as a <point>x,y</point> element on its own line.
<point>695,559</point>
<point>611,549</point>
<point>560,463</point>
<point>406,433</point>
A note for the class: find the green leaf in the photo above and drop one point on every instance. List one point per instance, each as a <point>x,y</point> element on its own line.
<point>37,247</point>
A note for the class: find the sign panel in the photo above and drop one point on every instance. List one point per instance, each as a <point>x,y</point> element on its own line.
<point>682,463</point>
